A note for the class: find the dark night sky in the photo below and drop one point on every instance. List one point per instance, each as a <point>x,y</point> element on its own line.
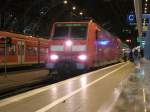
<point>110,13</point>
<point>37,16</point>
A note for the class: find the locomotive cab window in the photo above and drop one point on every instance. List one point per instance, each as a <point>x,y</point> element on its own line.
<point>78,32</point>
<point>75,31</point>
<point>60,32</point>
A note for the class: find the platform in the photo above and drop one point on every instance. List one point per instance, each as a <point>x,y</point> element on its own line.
<point>89,92</point>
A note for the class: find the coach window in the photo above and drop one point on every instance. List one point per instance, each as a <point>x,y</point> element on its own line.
<point>43,51</point>
<point>12,49</point>
<point>35,50</point>
<point>2,51</point>
<point>32,51</point>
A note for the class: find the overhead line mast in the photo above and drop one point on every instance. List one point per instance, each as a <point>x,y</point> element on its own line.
<point>138,12</point>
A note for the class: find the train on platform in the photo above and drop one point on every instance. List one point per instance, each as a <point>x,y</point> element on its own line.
<point>21,50</point>
<point>81,46</point>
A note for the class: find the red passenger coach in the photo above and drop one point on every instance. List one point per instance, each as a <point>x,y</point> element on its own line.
<point>81,45</point>
<point>17,49</point>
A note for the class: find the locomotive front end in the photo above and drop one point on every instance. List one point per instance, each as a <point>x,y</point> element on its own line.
<point>68,47</point>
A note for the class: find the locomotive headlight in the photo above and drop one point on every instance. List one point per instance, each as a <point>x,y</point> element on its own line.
<point>69,43</point>
<point>82,57</point>
<point>54,57</point>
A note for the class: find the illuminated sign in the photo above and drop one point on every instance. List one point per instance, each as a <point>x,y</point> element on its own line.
<point>131,18</point>
<point>145,28</point>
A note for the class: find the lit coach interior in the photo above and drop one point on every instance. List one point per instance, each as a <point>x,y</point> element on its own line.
<point>17,50</point>
<point>81,45</point>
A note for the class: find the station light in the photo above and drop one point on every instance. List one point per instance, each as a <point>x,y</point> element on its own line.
<point>81,13</point>
<point>145,8</point>
<point>143,43</point>
<point>145,11</point>
<point>146,0</point>
<point>145,4</point>
<point>74,7</point>
<point>128,40</point>
<point>65,1</point>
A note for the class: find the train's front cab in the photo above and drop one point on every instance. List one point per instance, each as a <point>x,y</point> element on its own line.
<point>68,46</point>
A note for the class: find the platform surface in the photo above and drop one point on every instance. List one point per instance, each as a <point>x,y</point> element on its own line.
<point>86,93</point>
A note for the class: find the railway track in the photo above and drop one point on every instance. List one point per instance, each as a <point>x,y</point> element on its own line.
<point>21,69</point>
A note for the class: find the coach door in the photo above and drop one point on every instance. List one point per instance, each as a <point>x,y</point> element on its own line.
<point>21,52</point>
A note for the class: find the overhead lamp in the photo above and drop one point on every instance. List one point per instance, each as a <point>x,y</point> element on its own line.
<point>81,13</point>
<point>74,7</point>
<point>65,1</point>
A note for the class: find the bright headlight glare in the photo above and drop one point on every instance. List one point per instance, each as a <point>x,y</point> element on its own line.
<point>54,57</point>
<point>68,43</point>
<point>82,57</point>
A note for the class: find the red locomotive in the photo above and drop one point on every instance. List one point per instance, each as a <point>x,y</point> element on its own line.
<point>81,45</point>
<point>17,50</point>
